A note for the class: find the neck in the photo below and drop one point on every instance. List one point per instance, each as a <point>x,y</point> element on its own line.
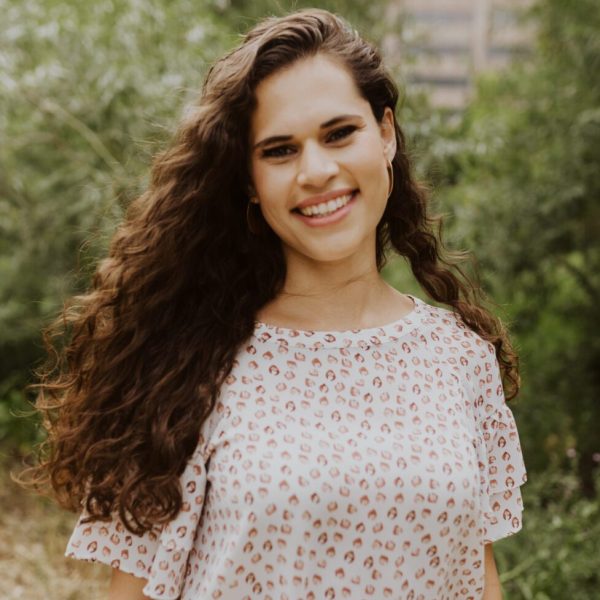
<point>335,296</point>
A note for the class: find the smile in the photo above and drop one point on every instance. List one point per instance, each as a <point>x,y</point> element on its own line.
<point>327,213</point>
<point>326,208</point>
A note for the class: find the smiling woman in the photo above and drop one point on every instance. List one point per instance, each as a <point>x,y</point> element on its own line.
<point>245,408</point>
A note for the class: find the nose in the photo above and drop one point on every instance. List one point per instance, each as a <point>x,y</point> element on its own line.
<point>316,166</point>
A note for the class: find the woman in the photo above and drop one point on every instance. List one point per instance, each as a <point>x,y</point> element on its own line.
<point>246,409</point>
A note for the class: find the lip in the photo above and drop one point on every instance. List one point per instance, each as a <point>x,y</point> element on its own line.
<point>325,197</point>
<point>338,215</point>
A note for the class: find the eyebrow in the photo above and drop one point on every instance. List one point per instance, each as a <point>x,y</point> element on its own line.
<point>286,138</point>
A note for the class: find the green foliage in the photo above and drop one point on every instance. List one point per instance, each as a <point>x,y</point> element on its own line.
<point>17,421</point>
<point>521,181</point>
<point>556,553</point>
<point>83,87</point>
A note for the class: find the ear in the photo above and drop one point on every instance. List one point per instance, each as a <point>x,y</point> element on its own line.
<point>388,133</point>
<point>251,191</point>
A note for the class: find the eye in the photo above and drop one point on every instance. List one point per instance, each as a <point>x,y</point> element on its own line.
<point>341,133</point>
<point>276,152</point>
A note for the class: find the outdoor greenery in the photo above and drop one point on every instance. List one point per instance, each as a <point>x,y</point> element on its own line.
<point>522,183</point>
<point>89,91</point>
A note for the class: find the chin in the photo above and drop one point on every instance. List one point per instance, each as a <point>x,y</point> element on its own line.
<point>334,248</point>
<point>335,255</point>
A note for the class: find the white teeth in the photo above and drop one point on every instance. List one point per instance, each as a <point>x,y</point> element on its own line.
<point>326,208</point>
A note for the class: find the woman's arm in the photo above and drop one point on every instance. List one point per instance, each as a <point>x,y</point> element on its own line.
<point>124,586</point>
<point>492,590</point>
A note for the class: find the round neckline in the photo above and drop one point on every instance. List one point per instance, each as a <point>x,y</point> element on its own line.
<point>317,338</point>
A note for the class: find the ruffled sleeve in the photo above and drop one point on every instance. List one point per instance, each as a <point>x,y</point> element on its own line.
<point>159,556</point>
<point>501,466</point>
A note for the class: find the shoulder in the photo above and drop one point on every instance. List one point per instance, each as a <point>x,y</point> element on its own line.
<point>471,358</point>
<point>451,334</point>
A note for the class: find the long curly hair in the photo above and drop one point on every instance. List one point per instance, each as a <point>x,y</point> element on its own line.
<point>135,364</point>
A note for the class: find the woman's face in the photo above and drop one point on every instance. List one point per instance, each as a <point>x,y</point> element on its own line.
<point>314,138</point>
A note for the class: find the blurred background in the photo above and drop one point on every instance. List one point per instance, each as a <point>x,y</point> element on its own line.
<point>501,107</point>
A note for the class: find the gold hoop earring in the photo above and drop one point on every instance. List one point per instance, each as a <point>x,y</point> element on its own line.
<point>390,169</point>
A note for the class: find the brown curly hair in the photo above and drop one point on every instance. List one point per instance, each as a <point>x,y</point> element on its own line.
<point>147,348</point>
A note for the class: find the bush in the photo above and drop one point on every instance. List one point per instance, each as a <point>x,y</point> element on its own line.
<point>556,553</point>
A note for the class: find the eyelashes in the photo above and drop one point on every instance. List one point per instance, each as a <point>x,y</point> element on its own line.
<point>335,136</point>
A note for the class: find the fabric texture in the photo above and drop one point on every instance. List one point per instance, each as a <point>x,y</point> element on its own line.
<point>368,463</point>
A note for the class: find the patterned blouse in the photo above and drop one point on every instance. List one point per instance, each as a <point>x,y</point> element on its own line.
<point>367,463</point>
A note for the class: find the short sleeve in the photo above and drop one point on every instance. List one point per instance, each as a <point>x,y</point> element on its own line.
<point>161,557</point>
<point>501,465</point>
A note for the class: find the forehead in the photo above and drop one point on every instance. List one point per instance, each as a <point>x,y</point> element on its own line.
<point>303,95</point>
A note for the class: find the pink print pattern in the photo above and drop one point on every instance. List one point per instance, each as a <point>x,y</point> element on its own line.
<point>368,463</point>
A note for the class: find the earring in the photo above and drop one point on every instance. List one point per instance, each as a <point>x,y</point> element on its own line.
<point>390,169</point>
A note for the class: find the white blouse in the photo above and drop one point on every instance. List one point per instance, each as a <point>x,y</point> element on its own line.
<point>368,463</point>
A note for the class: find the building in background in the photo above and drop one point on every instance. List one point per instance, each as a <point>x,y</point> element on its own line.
<point>446,43</point>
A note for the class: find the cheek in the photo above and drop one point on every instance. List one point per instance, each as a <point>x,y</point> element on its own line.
<point>274,187</point>
<point>367,162</point>
<point>372,178</point>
